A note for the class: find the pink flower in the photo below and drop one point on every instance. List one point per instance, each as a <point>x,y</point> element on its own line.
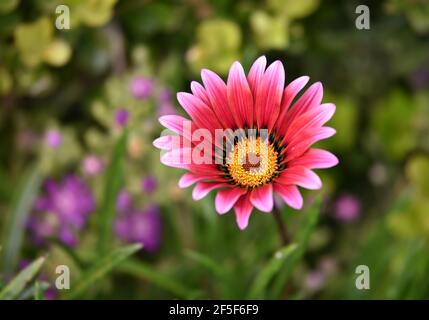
<point>347,208</point>
<point>271,153</point>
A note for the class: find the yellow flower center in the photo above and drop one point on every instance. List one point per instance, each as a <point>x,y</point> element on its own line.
<point>252,162</point>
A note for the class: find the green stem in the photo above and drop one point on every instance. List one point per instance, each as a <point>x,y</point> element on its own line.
<point>284,236</point>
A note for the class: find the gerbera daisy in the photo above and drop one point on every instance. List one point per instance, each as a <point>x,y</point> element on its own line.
<point>272,152</point>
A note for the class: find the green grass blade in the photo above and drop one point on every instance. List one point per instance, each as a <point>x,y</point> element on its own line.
<point>311,217</point>
<point>18,284</point>
<point>39,290</point>
<point>144,271</point>
<point>206,262</point>
<point>113,183</point>
<point>272,268</point>
<point>103,266</point>
<point>14,228</point>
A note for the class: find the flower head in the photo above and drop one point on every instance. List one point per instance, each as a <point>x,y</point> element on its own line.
<point>249,138</point>
<point>53,138</point>
<point>62,210</point>
<point>121,117</point>
<point>142,88</point>
<point>92,165</point>
<point>143,226</point>
<point>347,208</point>
<point>149,184</point>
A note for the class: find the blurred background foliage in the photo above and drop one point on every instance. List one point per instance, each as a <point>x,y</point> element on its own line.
<point>79,111</point>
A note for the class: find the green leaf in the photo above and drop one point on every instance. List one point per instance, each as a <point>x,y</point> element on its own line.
<point>145,271</point>
<point>39,290</point>
<point>14,228</point>
<point>100,269</point>
<point>272,268</point>
<point>17,285</point>
<point>311,216</point>
<point>206,262</point>
<point>113,183</point>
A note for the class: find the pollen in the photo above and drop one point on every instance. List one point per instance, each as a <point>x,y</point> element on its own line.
<point>253,162</point>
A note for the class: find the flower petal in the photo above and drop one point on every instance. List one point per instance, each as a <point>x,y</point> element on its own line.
<point>289,94</point>
<point>188,179</point>
<point>243,209</point>
<point>269,95</point>
<point>311,98</point>
<point>290,194</point>
<point>256,73</point>
<point>199,91</point>
<point>316,159</point>
<point>217,93</point>
<point>203,188</point>
<point>240,97</point>
<point>174,123</point>
<point>302,143</point>
<point>315,117</point>
<point>225,199</point>
<point>200,113</point>
<point>262,198</point>
<point>300,176</point>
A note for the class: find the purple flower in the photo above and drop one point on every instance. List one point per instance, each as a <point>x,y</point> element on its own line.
<point>53,138</point>
<point>124,202</point>
<point>121,117</point>
<point>149,184</point>
<point>347,208</point>
<point>92,165</point>
<point>143,226</point>
<point>165,96</point>
<point>61,211</point>
<point>315,280</point>
<point>142,88</point>
<point>166,109</point>
<point>419,78</point>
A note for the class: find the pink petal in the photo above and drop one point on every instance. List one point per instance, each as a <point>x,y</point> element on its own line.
<point>200,113</point>
<point>310,99</point>
<point>174,123</point>
<point>290,92</point>
<point>188,179</point>
<point>315,117</point>
<point>163,143</point>
<point>239,96</point>
<point>262,198</point>
<point>177,158</point>
<point>316,159</point>
<point>199,91</point>
<point>225,199</point>
<point>203,188</point>
<point>300,176</point>
<point>269,95</point>
<point>302,143</point>
<point>256,73</point>
<point>216,91</point>
<point>290,194</point>
<point>243,209</point>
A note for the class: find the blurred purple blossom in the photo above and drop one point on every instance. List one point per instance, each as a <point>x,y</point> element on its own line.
<point>149,184</point>
<point>419,79</point>
<point>315,280</point>
<point>53,138</point>
<point>142,88</point>
<point>142,226</point>
<point>124,202</point>
<point>165,95</point>
<point>61,211</point>
<point>92,165</point>
<point>347,208</point>
<point>121,117</point>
